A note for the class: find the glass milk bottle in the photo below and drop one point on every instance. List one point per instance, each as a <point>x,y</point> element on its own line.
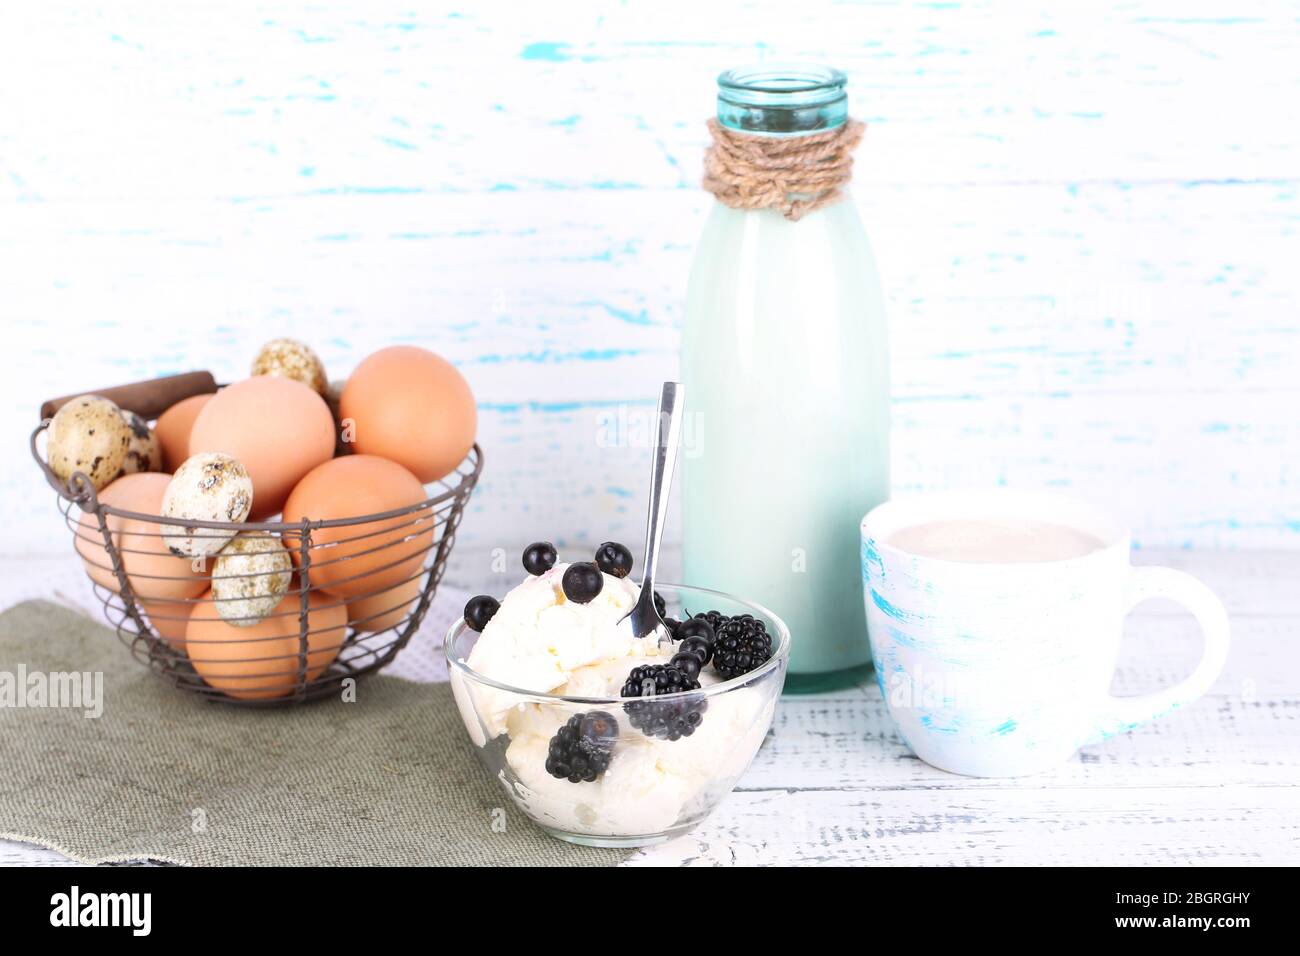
<point>785,365</point>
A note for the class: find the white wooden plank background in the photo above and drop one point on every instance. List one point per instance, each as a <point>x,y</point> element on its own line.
<point>1216,783</point>
<point>1085,213</point>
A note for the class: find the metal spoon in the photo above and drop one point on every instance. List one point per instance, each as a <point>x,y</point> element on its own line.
<point>644,620</point>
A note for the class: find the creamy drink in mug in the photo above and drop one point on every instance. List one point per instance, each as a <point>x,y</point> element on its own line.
<point>995,622</point>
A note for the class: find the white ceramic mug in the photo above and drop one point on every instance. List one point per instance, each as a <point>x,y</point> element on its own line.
<point>998,670</point>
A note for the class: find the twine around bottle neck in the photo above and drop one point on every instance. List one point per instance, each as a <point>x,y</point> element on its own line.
<point>795,174</point>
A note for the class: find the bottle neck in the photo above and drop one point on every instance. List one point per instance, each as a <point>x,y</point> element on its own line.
<point>782,100</point>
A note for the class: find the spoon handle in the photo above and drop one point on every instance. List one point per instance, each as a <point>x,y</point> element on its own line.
<point>662,463</point>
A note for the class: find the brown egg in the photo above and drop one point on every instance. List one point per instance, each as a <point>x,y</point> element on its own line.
<point>126,492</point>
<point>89,543</point>
<point>378,612</point>
<point>412,407</point>
<point>279,429</point>
<point>356,560</point>
<point>333,394</point>
<point>155,573</point>
<point>169,619</point>
<point>173,430</point>
<point>260,662</point>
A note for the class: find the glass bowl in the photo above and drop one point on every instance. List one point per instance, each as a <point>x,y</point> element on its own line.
<point>653,788</point>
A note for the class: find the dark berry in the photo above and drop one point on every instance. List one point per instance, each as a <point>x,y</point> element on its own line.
<point>582,581</point>
<point>689,664</point>
<point>713,618</point>
<point>580,750</point>
<point>479,610</point>
<point>696,638</point>
<point>667,719</point>
<point>614,559</point>
<point>599,725</point>
<point>697,647</point>
<point>695,627</point>
<point>741,644</point>
<point>661,606</point>
<point>540,557</point>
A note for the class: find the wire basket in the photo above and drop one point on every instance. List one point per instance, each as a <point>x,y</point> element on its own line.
<point>314,640</point>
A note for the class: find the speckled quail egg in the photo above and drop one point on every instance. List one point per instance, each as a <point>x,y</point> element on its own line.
<point>89,435</point>
<point>249,577</point>
<point>210,486</point>
<point>144,453</point>
<point>290,358</point>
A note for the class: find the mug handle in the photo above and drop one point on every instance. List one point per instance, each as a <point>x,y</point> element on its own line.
<point>1121,714</point>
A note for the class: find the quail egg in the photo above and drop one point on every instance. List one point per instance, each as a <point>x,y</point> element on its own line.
<point>290,358</point>
<point>249,577</point>
<point>210,486</point>
<point>144,453</point>
<point>89,435</point>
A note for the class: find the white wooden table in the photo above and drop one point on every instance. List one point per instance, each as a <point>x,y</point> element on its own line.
<point>1217,783</point>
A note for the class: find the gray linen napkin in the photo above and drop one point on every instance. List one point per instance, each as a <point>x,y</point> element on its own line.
<point>388,780</point>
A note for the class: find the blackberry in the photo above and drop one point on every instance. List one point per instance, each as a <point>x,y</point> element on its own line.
<point>661,606</point>
<point>580,750</point>
<point>714,619</point>
<point>741,644</point>
<point>666,719</point>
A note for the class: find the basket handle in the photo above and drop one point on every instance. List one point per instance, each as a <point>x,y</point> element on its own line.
<point>148,399</point>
